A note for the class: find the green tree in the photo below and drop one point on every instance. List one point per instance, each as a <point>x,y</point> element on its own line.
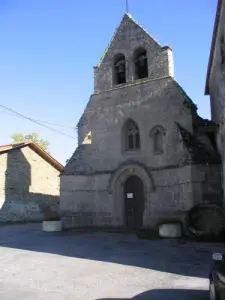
<point>20,137</point>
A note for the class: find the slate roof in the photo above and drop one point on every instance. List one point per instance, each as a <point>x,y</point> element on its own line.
<point>205,122</point>
<point>198,152</point>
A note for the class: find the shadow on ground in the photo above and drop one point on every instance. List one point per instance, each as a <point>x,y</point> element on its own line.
<point>190,259</point>
<point>168,295</point>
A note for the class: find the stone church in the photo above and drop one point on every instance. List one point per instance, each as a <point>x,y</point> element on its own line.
<point>144,156</point>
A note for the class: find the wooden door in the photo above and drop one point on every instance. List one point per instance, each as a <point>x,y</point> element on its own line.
<point>134,202</point>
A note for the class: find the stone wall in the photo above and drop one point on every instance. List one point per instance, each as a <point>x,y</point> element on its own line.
<point>85,201</point>
<point>217,89</point>
<point>216,79</point>
<point>93,201</point>
<point>160,102</point>
<point>92,181</point>
<point>207,185</point>
<point>157,100</point>
<point>128,37</point>
<point>26,180</point>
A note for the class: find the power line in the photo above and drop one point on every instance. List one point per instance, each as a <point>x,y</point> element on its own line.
<point>54,124</point>
<point>59,125</point>
<point>37,122</point>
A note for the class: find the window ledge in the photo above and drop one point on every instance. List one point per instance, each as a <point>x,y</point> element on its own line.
<point>132,151</point>
<point>137,80</point>
<point>119,84</point>
<point>157,152</point>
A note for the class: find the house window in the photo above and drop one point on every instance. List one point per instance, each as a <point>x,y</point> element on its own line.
<point>131,136</point>
<point>157,134</point>
<point>120,69</point>
<point>141,63</point>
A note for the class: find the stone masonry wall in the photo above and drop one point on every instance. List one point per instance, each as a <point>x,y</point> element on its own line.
<point>26,180</point>
<point>217,89</point>
<point>129,36</point>
<point>154,101</point>
<point>87,201</point>
<point>86,198</point>
<point>207,185</point>
<point>160,102</point>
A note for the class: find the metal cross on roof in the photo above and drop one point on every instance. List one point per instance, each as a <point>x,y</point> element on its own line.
<point>127,7</point>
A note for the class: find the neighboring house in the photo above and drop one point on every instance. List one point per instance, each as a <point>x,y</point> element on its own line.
<point>144,155</point>
<point>28,176</point>
<point>215,80</point>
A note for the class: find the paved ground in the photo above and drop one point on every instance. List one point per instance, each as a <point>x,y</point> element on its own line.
<point>36,265</point>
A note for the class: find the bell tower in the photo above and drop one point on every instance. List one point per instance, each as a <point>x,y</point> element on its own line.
<point>132,55</point>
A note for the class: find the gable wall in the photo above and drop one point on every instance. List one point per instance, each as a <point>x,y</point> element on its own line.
<point>26,180</point>
<point>158,102</point>
<point>127,39</point>
<point>87,195</point>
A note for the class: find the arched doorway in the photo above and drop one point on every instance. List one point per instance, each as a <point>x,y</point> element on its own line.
<point>134,202</point>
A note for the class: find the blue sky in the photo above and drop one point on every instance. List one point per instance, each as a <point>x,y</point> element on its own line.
<point>49,47</point>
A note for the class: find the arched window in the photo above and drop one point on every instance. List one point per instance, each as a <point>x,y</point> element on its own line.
<point>119,69</point>
<point>141,63</point>
<point>157,133</point>
<point>131,136</point>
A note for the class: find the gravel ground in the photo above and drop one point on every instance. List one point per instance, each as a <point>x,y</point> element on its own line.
<point>100,266</point>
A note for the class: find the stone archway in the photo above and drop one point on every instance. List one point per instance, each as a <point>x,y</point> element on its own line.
<point>117,184</point>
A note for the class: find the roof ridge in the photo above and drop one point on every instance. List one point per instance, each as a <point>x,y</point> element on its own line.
<point>41,151</point>
<point>184,93</point>
<point>145,30</point>
<point>107,48</point>
<point>13,143</point>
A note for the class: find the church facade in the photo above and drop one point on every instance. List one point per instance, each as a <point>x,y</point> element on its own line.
<point>144,156</point>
